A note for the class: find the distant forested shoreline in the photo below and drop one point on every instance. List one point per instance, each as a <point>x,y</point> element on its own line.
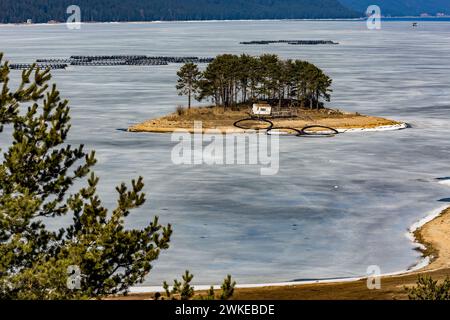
<point>42,11</point>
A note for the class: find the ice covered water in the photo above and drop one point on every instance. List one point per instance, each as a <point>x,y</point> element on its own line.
<point>336,206</point>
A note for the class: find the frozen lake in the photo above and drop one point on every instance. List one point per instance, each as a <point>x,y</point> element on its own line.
<point>335,207</point>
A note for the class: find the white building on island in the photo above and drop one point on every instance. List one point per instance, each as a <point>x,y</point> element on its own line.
<point>262,109</point>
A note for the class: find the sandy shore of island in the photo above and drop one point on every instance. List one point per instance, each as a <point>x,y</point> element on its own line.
<point>215,118</point>
<point>432,234</point>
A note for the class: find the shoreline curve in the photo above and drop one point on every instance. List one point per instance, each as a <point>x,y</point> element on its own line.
<point>420,233</point>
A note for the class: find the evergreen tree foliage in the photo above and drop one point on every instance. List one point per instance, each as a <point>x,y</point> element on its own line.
<point>230,80</point>
<point>227,288</point>
<point>429,289</point>
<point>188,80</point>
<point>36,175</point>
<point>41,11</point>
<point>182,290</point>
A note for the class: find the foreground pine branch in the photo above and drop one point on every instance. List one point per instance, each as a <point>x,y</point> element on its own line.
<point>36,173</point>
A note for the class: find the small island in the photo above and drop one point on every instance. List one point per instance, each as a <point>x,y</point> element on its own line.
<point>217,118</point>
<point>254,91</point>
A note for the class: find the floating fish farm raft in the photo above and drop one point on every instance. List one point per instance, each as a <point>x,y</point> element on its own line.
<point>25,66</point>
<point>292,42</point>
<point>116,60</point>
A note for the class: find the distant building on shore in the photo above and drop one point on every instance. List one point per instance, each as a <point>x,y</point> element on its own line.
<point>29,21</point>
<point>262,109</point>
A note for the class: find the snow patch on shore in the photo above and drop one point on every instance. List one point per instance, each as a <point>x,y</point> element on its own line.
<point>445,181</point>
<point>419,224</point>
<point>392,127</point>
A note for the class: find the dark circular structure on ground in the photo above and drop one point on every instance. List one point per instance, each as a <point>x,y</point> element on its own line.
<point>298,132</point>
<point>332,133</point>
<point>237,124</point>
